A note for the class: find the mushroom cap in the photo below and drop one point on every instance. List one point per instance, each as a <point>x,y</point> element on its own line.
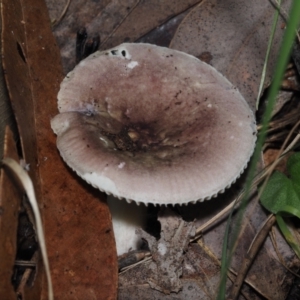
<point>153,125</point>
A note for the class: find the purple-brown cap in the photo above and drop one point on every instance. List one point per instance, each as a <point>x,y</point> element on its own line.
<point>153,125</point>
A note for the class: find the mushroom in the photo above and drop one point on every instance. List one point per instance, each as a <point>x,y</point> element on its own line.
<point>153,125</point>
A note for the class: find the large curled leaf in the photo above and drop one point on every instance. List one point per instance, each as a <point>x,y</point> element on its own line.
<point>282,191</point>
<point>77,224</point>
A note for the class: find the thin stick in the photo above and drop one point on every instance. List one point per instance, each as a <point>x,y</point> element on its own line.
<point>251,253</point>
<point>56,22</point>
<point>280,258</point>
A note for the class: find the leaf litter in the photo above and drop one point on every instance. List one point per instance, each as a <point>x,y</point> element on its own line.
<point>223,47</point>
<point>167,251</point>
<point>115,21</point>
<point>239,55</point>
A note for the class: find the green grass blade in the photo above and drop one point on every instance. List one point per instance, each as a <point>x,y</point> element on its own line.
<point>263,75</point>
<point>287,234</point>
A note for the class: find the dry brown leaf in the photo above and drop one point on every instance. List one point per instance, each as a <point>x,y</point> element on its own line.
<point>191,290</point>
<point>77,222</point>
<point>271,154</point>
<point>233,36</point>
<point>202,261</point>
<point>115,21</point>
<point>79,14</point>
<point>167,252</point>
<point>143,18</point>
<point>10,199</point>
<point>163,34</point>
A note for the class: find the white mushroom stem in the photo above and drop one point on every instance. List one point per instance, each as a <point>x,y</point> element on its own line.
<point>126,218</point>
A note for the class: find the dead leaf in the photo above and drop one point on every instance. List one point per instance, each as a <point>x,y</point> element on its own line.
<point>115,21</point>
<point>200,279</point>
<point>271,154</point>
<point>143,18</point>
<point>167,252</point>
<point>190,291</point>
<point>266,269</point>
<point>163,34</point>
<point>233,36</point>
<point>77,222</point>
<point>10,199</point>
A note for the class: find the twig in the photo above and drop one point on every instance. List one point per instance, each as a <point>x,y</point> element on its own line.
<point>122,21</point>
<point>56,22</point>
<point>25,263</point>
<point>258,179</point>
<point>132,258</point>
<point>144,261</point>
<point>251,253</point>
<point>281,260</point>
<point>225,212</point>
<point>231,274</point>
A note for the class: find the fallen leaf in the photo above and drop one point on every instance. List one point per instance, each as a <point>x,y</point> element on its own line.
<point>163,34</point>
<point>269,157</point>
<point>191,290</point>
<point>77,222</point>
<point>115,21</point>
<point>144,17</point>
<point>265,270</point>
<point>233,37</point>
<point>200,279</point>
<point>168,251</point>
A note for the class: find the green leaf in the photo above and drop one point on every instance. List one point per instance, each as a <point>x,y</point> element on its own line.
<point>290,211</point>
<point>282,191</point>
<point>293,166</point>
<point>281,196</point>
